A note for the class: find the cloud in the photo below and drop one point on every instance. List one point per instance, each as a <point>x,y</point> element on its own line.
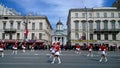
<point>56,9</point>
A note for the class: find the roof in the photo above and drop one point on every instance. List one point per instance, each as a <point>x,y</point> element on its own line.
<point>59,23</point>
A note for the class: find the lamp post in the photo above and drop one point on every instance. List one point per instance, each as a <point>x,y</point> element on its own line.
<point>86,10</point>
<point>26,28</point>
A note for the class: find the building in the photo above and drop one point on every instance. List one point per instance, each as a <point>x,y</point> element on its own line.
<point>7,11</point>
<point>94,25</point>
<point>116,4</point>
<point>59,34</point>
<point>14,28</point>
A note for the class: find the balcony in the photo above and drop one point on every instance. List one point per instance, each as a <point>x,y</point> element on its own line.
<point>10,30</point>
<point>106,31</point>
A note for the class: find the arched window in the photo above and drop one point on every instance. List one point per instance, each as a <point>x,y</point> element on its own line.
<point>112,24</point>
<point>105,24</point>
<point>98,24</point>
<point>76,25</point>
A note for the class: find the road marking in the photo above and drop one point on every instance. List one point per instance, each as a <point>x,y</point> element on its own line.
<point>23,63</point>
<point>36,54</point>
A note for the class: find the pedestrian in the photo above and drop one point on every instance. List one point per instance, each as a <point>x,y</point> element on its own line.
<point>32,46</point>
<point>52,50</point>
<point>15,47</point>
<point>24,47</point>
<point>103,49</point>
<point>77,49</point>
<point>90,48</point>
<point>2,49</point>
<point>57,53</point>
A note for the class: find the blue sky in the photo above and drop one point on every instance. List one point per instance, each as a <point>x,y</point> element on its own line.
<point>53,9</point>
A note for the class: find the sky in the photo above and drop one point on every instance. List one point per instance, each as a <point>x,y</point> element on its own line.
<point>55,10</point>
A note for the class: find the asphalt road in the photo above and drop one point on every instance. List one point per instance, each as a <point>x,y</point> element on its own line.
<point>40,59</point>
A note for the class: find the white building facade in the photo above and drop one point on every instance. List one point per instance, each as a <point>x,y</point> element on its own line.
<point>7,11</point>
<point>94,25</point>
<point>13,28</point>
<point>59,34</point>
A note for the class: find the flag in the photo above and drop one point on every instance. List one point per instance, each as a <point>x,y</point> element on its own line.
<point>27,32</point>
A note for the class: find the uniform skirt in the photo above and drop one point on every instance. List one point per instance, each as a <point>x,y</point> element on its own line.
<point>1,49</point>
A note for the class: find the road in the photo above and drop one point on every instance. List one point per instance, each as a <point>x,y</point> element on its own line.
<point>40,59</point>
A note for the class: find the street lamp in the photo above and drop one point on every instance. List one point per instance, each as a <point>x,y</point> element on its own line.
<point>86,24</point>
<point>26,27</point>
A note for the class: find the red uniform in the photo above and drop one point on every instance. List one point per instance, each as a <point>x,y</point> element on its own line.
<point>57,48</point>
<point>90,47</point>
<point>25,44</point>
<point>1,47</point>
<point>103,48</point>
<point>78,46</point>
<point>103,53</point>
<point>16,45</point>
<point>57,53</point>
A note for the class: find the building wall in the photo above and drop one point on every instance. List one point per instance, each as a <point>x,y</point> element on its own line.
<point>7,11</point>
<point>45,31</point>
<point>79,15</point>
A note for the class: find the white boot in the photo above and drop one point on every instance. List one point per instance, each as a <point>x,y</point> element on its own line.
<point>105,59</point>
<point>88,54</point>
<point>53,60</point>
<point>23,51</point>
<point>59,61</point>
<point>2,54</point>
<point>100,60</point>
<point>16,52</point>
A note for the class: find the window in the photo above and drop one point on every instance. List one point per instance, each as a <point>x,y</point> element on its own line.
<point>98,37</point>
<point>10,37</point>
<point>40,36</point>
<point>40,25</point>
<point>91,36</point>
<point>83,36</point>
<point>18,35</point>
<point>119,15</point>
<point>18,25</point>
<point>33,36</point>
<point>3,36</point>
<point>105,15</point>
<point>90,15</point>
<point>112,15</point>
<point>83,15</point>
<point>113,24</point>
<point>76,35</point>
<point>76,25</point>
<point>4,24</point>
<point>98,15</point>
<point>105,25</point>
<point>76,15</point>
<point>114,36</point>
<point>33,26</point>
<point>54,38</point>
<point>106,36</point>
<point>119,25</point>
<point>84,26</point>
<point>90,25</point>
<point>98,25</point>
<point>11,24</point>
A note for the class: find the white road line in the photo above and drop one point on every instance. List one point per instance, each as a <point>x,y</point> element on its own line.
<point>22,63</point>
